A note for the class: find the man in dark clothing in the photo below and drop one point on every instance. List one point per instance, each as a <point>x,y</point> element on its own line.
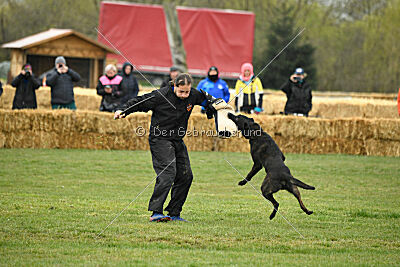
<point>61,79</point>
<point>298,93</point>
<point>171,106</point>
<point>25,84</point>
<point>129,82</point>
<point>1,89</point>
<point>173,73</point>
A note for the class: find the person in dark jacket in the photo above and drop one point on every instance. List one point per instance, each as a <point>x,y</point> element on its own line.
<point>171,106</point>
<point>26,84</point>
<point>298,93</point>
<point>111,89</point>
<point>1,89</point>
<point>173,73</point>
<point>61,79</point>
<point>129,82</point>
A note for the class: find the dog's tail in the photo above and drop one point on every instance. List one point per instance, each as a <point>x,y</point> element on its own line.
<point>301,184</point>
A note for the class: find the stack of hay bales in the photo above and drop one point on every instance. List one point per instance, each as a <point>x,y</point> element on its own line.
<point>96,130</point>
<point>85,99</point>
<point>325,105</point>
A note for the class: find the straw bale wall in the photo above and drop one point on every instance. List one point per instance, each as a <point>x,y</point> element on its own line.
<point>324,105</point>
<point>96,130</point>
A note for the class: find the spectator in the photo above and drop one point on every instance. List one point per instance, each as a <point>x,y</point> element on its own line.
<point>26,84</point>
<point>249,91</point>
<point>110,88</point>
<point>173,73</point>
<point>129,82</point>
<point>298,93</point>
<point>214,86</point>
<point>61,79</point>
<point>1,89</point>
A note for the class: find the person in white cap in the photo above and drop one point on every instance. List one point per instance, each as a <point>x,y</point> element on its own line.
<point>298,93</point>
<point>61,79</point>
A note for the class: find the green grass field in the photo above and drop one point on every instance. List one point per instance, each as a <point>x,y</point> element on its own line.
<point>53,203</point>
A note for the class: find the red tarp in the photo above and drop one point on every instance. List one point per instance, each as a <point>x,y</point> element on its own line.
<point>210,37</point>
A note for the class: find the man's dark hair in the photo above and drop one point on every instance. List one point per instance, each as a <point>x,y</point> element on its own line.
<point>183,79</point>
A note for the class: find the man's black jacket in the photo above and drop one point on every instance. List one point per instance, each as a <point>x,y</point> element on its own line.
<point>298,97</point>
<point>25,96</point>
<point>62,88</point>
<point>170,113</point>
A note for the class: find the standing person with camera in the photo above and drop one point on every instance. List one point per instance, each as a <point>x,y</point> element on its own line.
<point>25,84</point>
<point>61,79</point>
<point>111,89</point>
<point>298,93</point>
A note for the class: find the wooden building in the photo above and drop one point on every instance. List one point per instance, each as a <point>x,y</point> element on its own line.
<point>84,55</point>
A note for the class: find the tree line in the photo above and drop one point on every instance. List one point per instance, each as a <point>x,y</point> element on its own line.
<point>347,45</point>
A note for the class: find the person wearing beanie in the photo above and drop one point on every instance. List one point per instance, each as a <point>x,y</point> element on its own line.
<point>129,82</point>
<point>173,73</point>
<point>214,86</point>
<point>61,80</point>
<point>249,91</point>
<point>298,93</point>
<point>26,84</point>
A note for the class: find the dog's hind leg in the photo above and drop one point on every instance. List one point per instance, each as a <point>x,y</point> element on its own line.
<point>295,191</point>
<point>271,198</point>
<point>256,168</point>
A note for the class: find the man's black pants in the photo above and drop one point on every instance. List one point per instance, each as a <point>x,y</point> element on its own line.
<point>176,175</point>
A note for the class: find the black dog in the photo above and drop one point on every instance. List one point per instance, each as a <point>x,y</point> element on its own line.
<point>266,153</point>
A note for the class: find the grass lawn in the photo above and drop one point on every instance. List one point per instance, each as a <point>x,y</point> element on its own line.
<point>53,203</point>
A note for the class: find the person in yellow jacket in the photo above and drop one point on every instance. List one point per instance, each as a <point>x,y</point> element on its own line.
<point>249,91</point>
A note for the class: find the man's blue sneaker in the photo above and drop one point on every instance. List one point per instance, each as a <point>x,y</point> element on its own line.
<point>178,218</point>
<point>159,217</point>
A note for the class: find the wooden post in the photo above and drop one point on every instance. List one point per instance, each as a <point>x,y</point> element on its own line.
<point>17,61</point>
<point>95,72</point>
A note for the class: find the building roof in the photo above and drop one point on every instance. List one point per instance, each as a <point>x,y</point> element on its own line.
<point>50,35</point>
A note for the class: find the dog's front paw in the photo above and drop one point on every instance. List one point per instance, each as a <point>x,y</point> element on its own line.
<point>242,182</point>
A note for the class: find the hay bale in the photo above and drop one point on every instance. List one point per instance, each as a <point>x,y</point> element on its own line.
<point>97,130</point>
<point>382,147</point>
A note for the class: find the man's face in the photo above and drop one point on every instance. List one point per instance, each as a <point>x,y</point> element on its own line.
<point>299,76</point>
<point>173,74</point>
<point>213,72</point>
<point>182,91</point>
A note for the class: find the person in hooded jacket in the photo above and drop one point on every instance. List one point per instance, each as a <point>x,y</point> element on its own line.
<point>61,79</point>
<point>298,93</point>
<point>111,89</point>
<point>26,84</point>
<point>214,86</point>
<point>129,82</point>
<point>249,91</point>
